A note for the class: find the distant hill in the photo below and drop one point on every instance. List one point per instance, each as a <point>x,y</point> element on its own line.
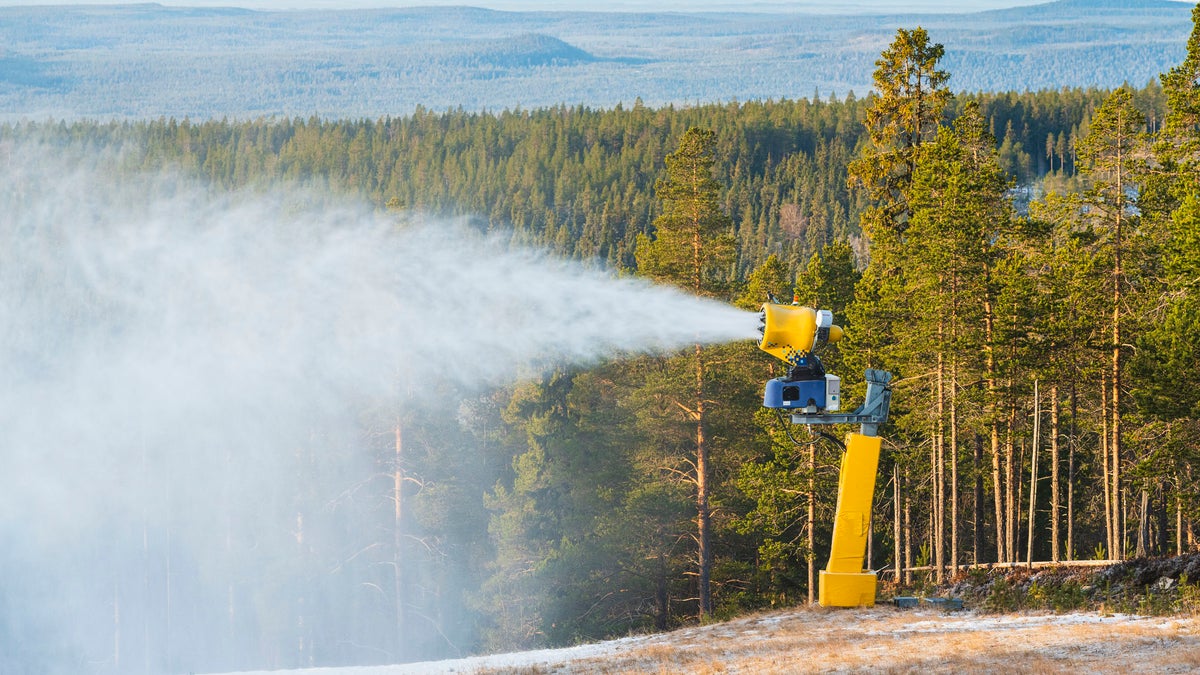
<point>1085,7</point>
<point>522,51</point>
<point>149,61</point>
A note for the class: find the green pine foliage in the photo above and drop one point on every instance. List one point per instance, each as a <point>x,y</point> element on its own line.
<point>692,246</point>
<point>573,179</point>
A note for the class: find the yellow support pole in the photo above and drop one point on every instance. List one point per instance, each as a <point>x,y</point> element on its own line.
<point>844,582</point>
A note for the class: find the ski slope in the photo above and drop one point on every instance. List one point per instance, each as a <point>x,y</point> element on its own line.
<point>881,639</point>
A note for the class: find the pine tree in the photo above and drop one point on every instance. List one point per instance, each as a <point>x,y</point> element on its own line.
<point>911,97</point>
<point>829,280</point>
<point>1177,146</point>
<point>769,280</point>
<point>1113,157</point>
<point>693,248</point>
<point>907,111</point>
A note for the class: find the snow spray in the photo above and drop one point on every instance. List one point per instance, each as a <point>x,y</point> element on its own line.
<point>162,344</point>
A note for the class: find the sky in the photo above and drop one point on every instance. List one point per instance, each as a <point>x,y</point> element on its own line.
<point>817,6</point>
<point>823,6</point>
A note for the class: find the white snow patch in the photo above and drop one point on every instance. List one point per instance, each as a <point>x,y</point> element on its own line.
<point>972,621</point>
<point>511,660</point>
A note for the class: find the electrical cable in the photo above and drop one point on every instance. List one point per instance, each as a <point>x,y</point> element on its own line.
<point>787,429</point>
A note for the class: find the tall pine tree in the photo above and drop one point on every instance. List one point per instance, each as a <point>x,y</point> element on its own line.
<point>1113,157</point>
<point>693,248</point>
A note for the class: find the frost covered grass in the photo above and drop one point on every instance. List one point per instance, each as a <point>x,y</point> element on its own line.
<point>876,640</point>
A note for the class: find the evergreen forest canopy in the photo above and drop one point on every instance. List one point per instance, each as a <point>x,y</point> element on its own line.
<point>1025,263</point>
<point>147,61</point>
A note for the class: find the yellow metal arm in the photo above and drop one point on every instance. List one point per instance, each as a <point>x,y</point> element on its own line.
<point>844,582</point>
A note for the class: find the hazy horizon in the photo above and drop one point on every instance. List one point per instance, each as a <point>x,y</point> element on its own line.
<point>816,6</point>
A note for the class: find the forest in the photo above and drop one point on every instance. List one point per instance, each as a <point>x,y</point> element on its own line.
<point>1026,264</point>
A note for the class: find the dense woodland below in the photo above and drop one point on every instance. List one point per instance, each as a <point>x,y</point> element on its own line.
<point>579,181</point>
<point>1025,263</point>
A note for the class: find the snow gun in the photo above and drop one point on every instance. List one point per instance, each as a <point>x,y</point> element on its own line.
<point>794,334</point>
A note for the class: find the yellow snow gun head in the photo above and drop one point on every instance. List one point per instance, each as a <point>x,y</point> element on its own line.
<point>790,332</point>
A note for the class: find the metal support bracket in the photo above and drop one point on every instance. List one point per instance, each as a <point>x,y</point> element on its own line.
<point>872,413</point>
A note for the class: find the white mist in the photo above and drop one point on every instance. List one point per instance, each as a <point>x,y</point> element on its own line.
<point>165,350</point>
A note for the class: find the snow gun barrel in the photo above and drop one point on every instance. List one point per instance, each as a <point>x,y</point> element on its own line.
<point>792,331</point>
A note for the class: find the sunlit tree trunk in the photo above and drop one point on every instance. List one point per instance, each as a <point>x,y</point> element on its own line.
<point>811,555</point>
<point>953,468</point>
<point>1071,473</point>
<point>703,517</point>
<point>908,548</point>
<point>1115,397</point>
<point>1178,523</point>
<point>977,527</point>
<point>1054,474</point>
<point>1010,495</point>
<point>939,465</point>
<point>1110,519</point>
<point>1033,471</point>
<point>994,427</point>
<point>896,522</point>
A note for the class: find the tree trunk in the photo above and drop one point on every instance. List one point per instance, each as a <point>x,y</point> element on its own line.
<point>908,551</point>
<point>940,458</point>
<point>1020,494</point>
<point>1010,496</point>
<point>1033,471</point>
<point>990,377</point>
<point>939,461</point>
<point>1143,535</point>
<point>704,535</point>
<point>1071,473</point>
<point>953,453</point>
<point>399,629</point>
<point>1110,528</point>
<point>811,556</point>
<point>998,490</point>
<point>977,528</point>
<point>1178,523</point>
<point>1118,500</point>
<point>1158,543</point>
<point>899,541</point>
<point>1054,462</point>
<point>1115,398</point>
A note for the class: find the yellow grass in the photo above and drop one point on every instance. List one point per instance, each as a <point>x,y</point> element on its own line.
<point>886,640</point>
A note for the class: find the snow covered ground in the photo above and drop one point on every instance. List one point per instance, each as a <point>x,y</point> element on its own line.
<point>878,640</point>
